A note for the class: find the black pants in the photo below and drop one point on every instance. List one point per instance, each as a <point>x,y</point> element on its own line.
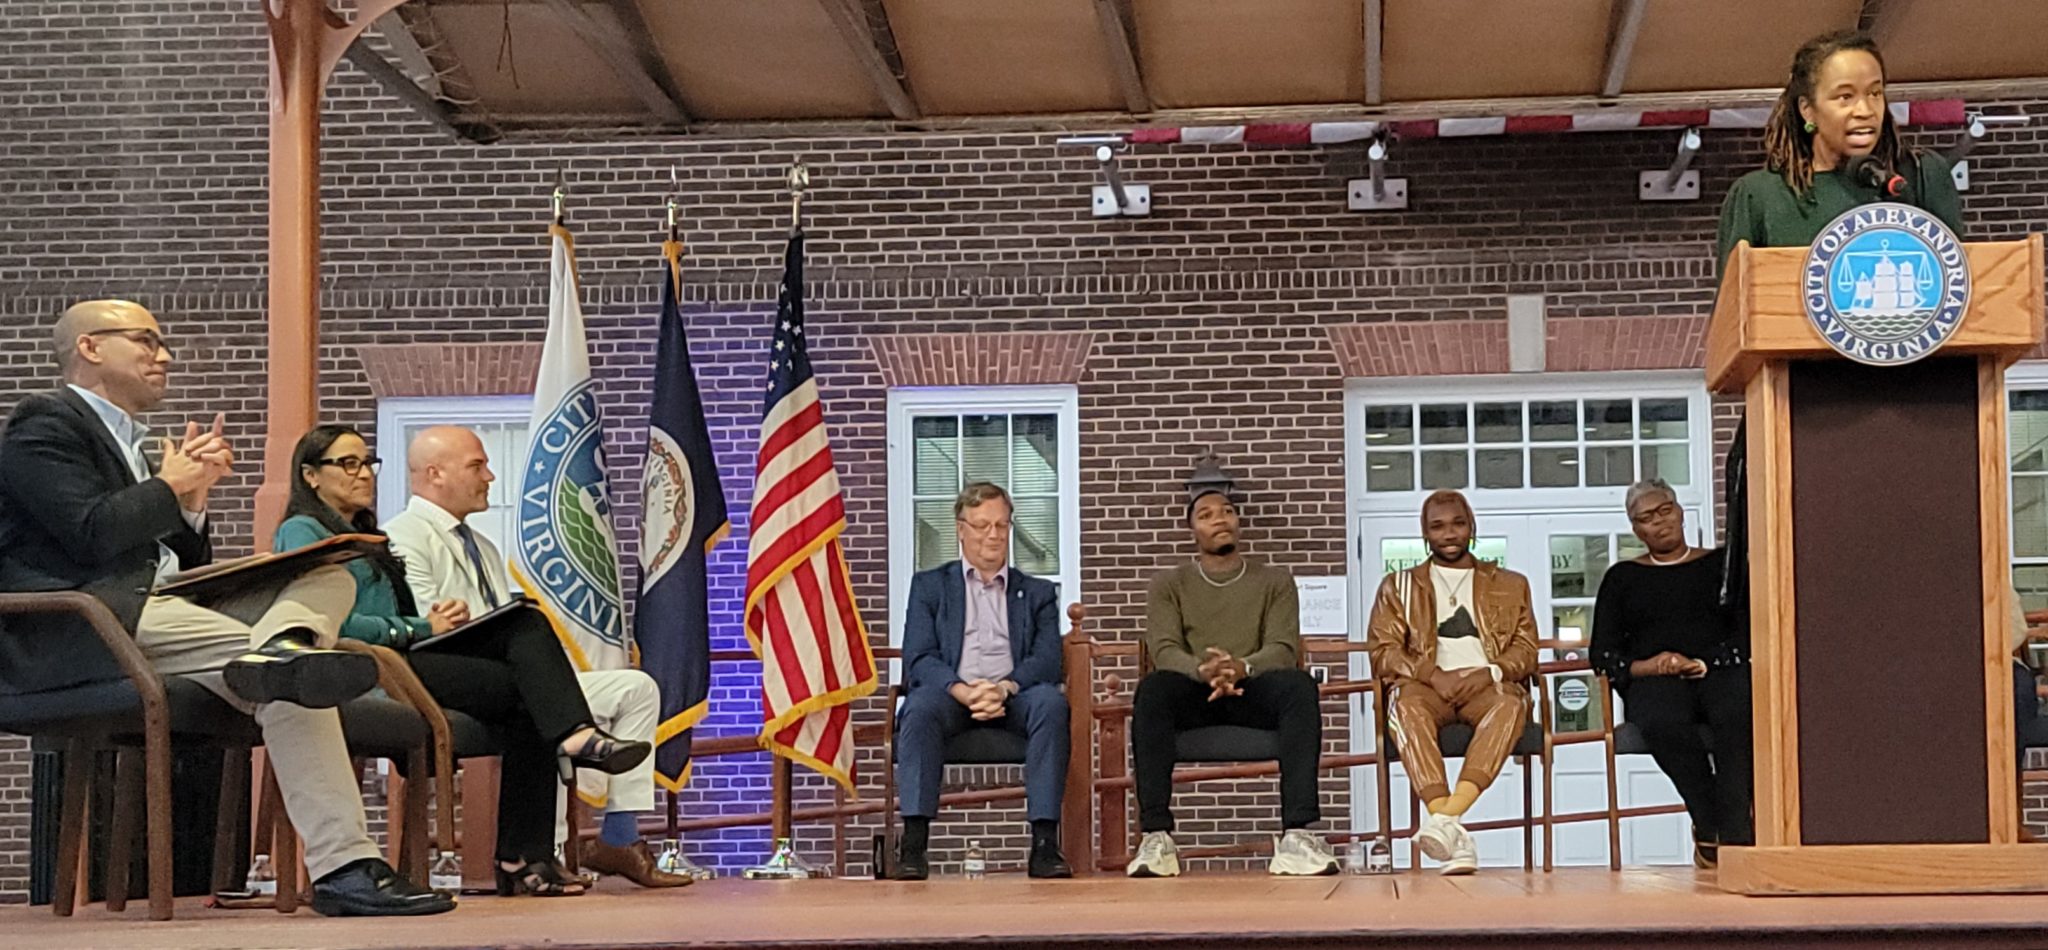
<point>1283,700</point>
<point>1715,781</point>
<point>513,676</point>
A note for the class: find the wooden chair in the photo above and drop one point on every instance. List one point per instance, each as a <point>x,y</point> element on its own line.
<point>1001,747</point>
<point>392,723</point>
<point>1454,740</point>
<point>142,713</point>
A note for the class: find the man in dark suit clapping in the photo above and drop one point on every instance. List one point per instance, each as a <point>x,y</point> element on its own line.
<point>981,649</point>
<point>82,508</point>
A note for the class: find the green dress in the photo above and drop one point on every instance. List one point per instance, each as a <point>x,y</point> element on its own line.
<point>375,618</point>
<point>1763,210</point>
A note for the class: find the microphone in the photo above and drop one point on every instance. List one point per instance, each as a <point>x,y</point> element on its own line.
<point>1869,171</point>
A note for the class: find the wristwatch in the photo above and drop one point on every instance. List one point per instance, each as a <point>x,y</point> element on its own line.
<point>1247,668</point>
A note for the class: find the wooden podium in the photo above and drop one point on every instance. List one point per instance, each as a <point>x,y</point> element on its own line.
<point>1879,591</point>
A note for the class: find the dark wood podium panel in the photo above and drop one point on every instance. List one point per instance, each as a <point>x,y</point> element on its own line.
<point>1890,651</point>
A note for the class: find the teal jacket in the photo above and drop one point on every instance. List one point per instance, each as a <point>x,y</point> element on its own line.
<point>375,618</point>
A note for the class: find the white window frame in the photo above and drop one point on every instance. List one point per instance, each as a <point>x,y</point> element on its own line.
<point>1689,385</point>
<point>2029,374</point>
<point>904,403</point>
<point>395,413</point>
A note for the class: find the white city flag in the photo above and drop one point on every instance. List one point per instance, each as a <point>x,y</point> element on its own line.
<point>567,556</point>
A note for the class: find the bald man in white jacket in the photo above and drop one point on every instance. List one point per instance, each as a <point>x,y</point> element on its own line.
<point>445,560</point>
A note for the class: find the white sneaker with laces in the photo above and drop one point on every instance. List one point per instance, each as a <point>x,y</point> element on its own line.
<point>1438,836</point>
<point>1464,854</point>
<point>1303,853</point>
<point>1157,857</point>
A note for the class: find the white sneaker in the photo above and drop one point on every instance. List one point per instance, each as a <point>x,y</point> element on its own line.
<point>1438,836</point>
<point>1157,857</point>
<point>1464,854</point>
<point>1303,853</point>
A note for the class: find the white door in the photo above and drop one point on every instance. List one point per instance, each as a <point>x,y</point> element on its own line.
<point>1578,549</point>
<point>1564,556</point>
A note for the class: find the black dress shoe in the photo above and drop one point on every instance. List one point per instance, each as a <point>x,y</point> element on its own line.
<point>1048,862</point>
<point>603,752</point>
<point>911,865</point>
<point>289,669</point>
<point>370,888</point>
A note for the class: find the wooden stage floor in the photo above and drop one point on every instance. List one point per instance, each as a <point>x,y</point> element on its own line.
<point>1578,907</point>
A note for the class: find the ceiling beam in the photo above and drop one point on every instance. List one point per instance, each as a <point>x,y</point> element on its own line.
<point>1877,17</point>
<point>1621,44</point>
<point>852,20</point>
<point>560,127</point>
<point>631,57</point>
<point>401,86</point>
<point>1113,16</point>
<point>1375,62</point>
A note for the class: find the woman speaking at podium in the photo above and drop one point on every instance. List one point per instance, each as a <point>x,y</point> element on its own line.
<point>1829,146</point>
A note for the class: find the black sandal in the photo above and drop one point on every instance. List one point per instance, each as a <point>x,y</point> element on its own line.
<point>605,753</point>
<point>540,879</point>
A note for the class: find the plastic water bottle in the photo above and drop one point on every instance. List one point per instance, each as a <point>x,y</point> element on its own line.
<point>1379,858</point>
<point>445,873</point>
<point>1354,858</point>
<point>262,879</point>
<point>975,865</point>
<point>668,857</point>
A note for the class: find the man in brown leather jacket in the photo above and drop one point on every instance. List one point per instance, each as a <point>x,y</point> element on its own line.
<point>1452,640</point>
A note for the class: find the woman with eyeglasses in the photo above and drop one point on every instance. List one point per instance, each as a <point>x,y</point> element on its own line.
<point>1680,661</point>
<point>512,675</point>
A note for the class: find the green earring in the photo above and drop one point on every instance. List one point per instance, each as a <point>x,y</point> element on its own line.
<point>1811,128</point>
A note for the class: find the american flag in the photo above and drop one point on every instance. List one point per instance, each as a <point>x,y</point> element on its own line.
<point>800,613</point>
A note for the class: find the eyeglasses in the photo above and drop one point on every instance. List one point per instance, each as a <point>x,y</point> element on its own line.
<point>353,465</point>
<point>147,339</point>
<point>991,527</point>
<point>1664,510</point>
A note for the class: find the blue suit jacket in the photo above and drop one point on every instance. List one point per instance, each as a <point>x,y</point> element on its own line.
<point>935,626</point>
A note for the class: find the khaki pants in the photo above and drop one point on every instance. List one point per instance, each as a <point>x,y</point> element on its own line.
<point>1497,716</point>
<point>305,746</point>
<point>627,704</point>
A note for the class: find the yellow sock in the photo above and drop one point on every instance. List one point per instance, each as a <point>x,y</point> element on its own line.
<point>1460,801</point>
<point>1436,805</point>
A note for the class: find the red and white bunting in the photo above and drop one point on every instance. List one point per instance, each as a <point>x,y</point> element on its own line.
<point>1938,112</point>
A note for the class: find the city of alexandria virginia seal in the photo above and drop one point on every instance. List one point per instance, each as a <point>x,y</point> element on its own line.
<point>565,530</point>
<point>1886,284</point>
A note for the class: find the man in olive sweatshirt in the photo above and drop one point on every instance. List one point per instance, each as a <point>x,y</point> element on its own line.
<point>1224,636</point>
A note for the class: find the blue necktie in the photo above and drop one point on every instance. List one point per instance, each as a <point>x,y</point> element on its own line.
<point>476,557</point>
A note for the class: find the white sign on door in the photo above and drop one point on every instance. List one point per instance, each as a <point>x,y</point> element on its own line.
<point>1322,604</point>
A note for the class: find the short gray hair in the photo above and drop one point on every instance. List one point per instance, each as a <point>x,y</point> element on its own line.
<point>1646,488</point>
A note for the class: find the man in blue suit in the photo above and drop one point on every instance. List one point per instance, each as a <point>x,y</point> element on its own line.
<point>981,649</point>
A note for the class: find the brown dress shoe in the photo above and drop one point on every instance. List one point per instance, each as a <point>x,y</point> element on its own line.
<point>633,862</point>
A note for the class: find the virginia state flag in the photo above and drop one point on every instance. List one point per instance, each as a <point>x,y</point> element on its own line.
<point>682,517</point>
<point>567,558</point>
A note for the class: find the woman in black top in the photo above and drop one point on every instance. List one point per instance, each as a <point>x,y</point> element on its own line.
<point>1681,661</point>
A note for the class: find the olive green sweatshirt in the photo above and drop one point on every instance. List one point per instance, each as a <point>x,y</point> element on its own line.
<point>1256,618</point>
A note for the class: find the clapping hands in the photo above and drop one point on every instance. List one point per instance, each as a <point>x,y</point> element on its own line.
<point>193,464</point>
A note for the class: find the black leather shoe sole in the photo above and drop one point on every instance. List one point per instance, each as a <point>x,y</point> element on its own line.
<point>315,679</point>
<point>625,755</point>
<point>351,905</point>
<point>917,870</point>
<point>1051,870</point>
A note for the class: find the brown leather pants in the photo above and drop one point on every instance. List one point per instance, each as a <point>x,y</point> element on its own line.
<point>1497,716</point>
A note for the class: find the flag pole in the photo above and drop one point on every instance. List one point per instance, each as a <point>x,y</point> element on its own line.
<point>784,863</point>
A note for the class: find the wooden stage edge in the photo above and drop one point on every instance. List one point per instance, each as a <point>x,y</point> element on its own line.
<point>1575,907</point>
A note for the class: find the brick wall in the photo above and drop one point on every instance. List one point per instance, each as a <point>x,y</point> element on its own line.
<point>132,164</point>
